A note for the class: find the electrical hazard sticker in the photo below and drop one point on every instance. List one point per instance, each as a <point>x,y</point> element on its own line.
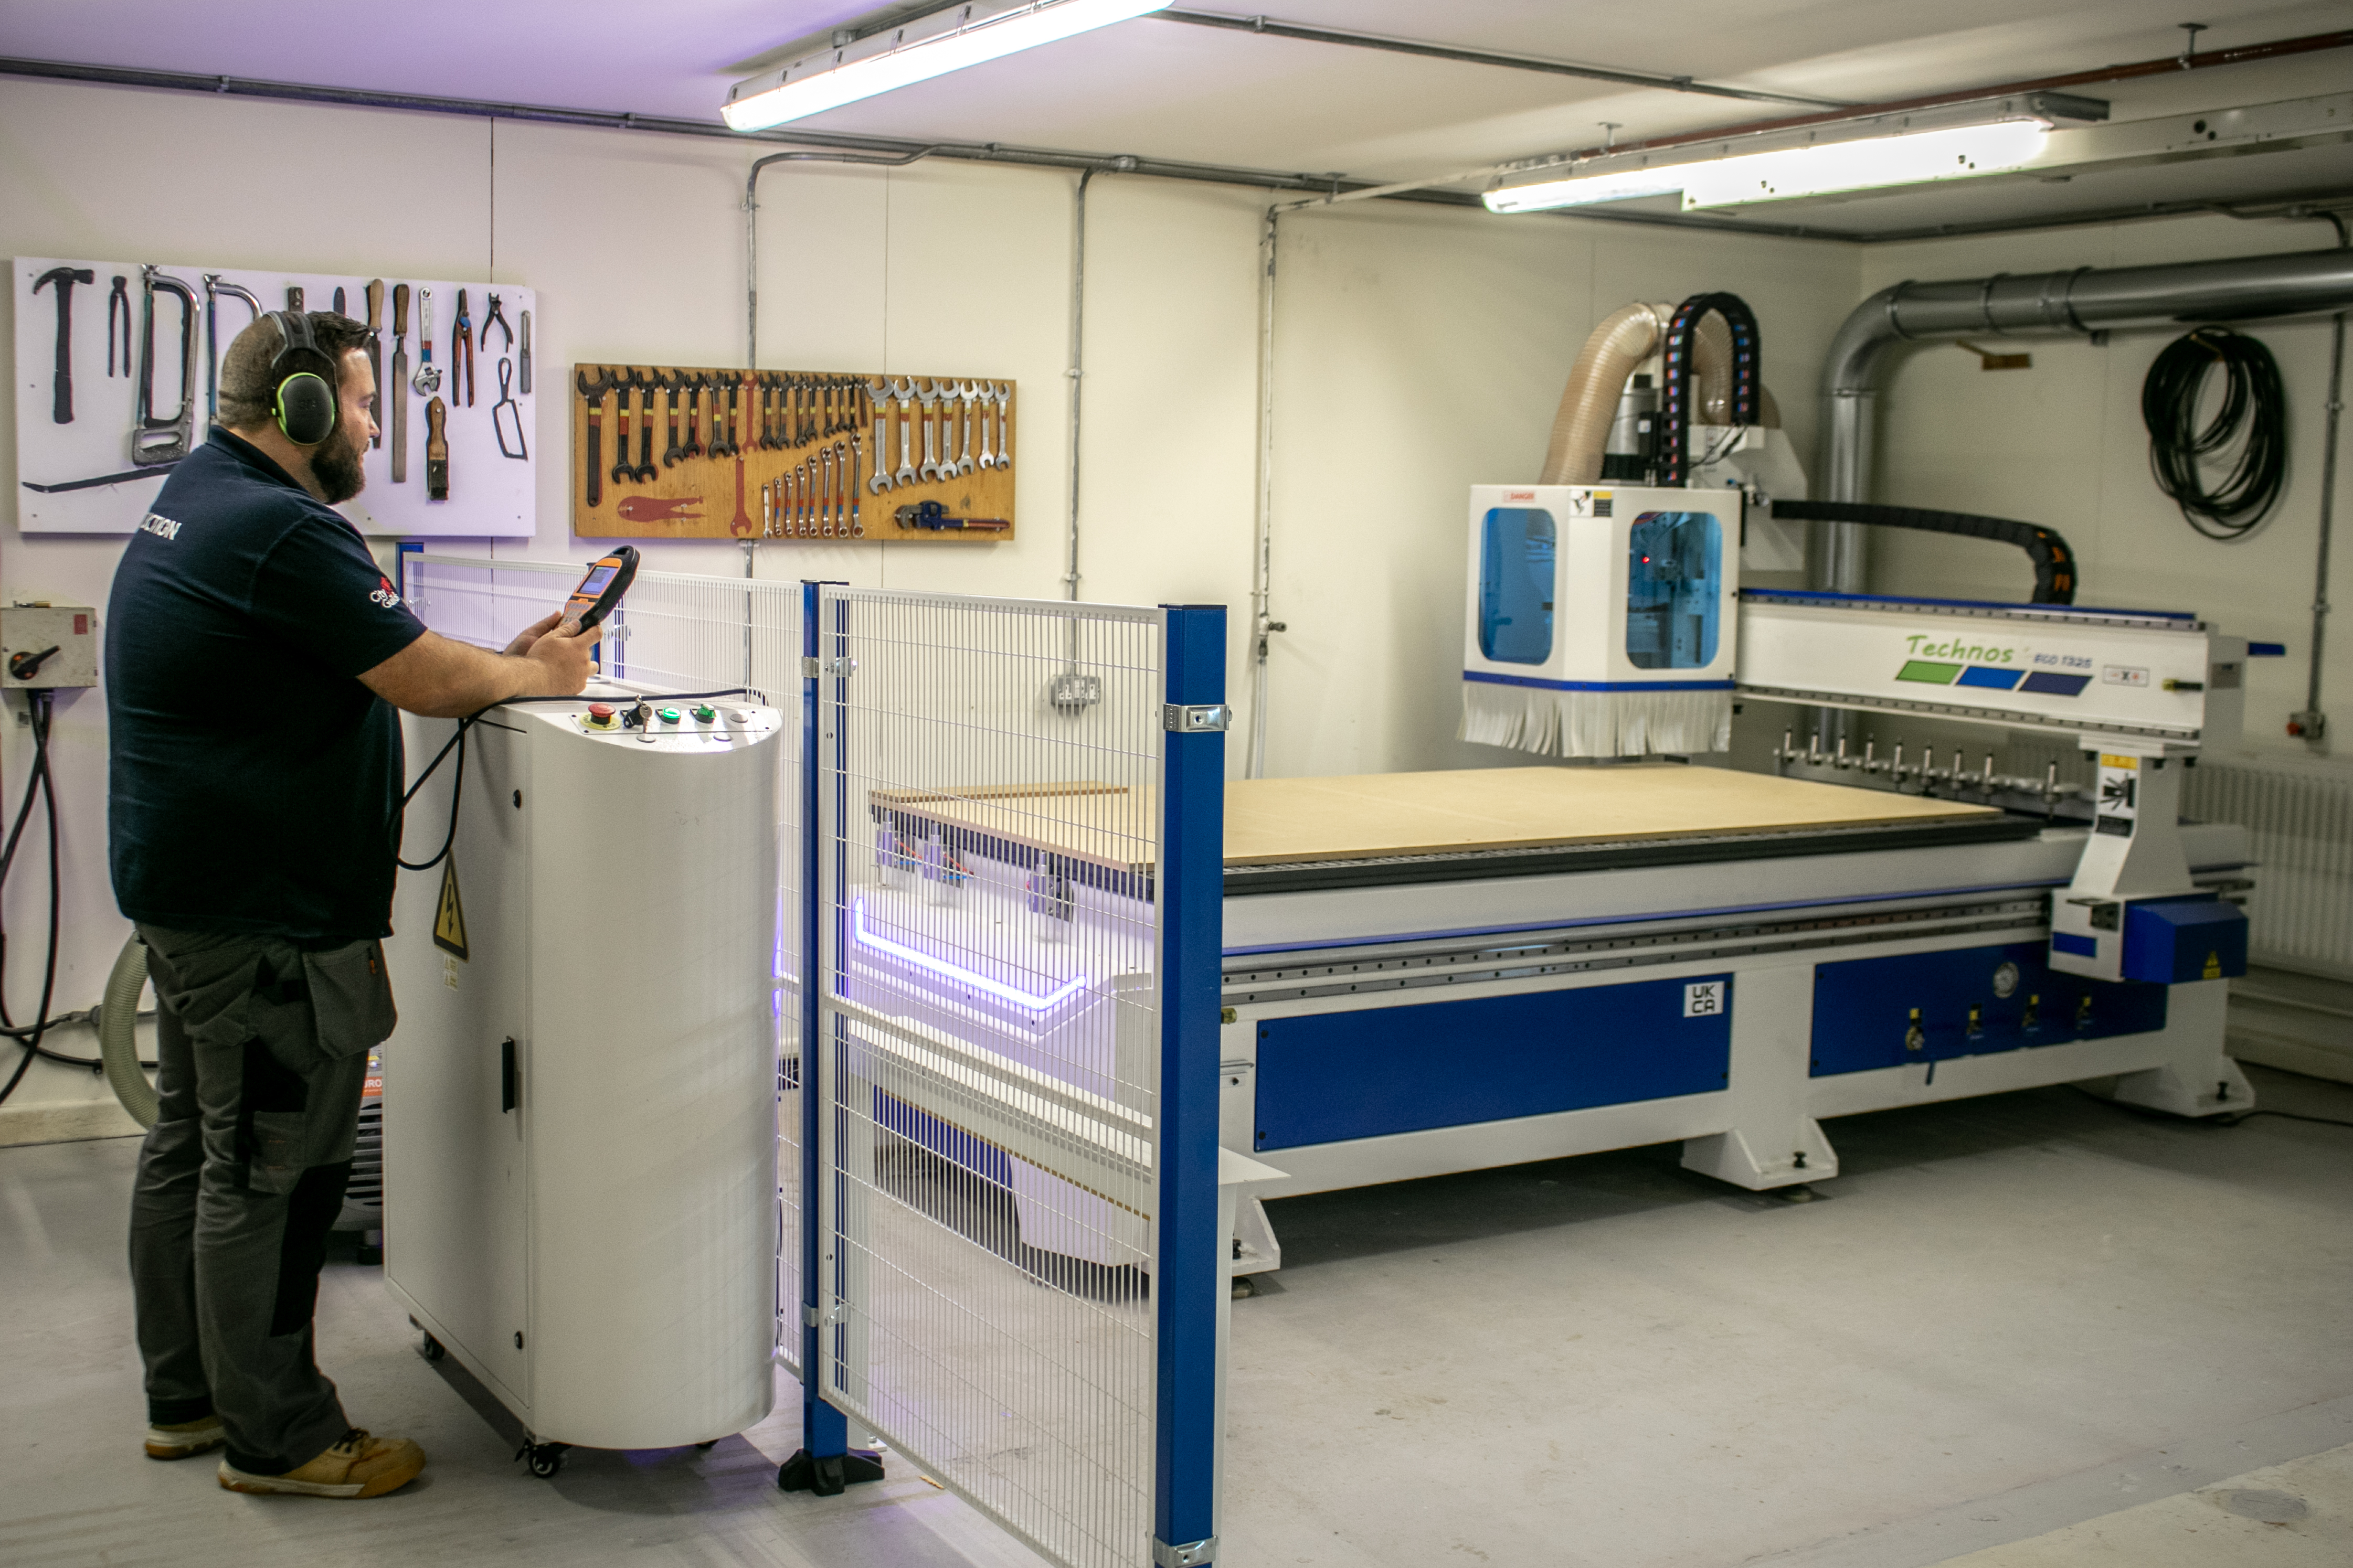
<point>449,914</point>
<point>1705,998</point>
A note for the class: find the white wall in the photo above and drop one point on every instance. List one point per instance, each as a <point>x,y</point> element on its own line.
<point>1419,351</point>
<point>2063,445</point>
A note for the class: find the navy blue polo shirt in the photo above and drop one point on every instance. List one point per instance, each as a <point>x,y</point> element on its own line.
<point>252,779</point>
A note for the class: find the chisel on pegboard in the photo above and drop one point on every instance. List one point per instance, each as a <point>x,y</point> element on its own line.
<point>399,384</point>
<point>436,450</point>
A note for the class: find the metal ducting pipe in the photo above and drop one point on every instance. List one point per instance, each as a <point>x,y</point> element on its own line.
<point>2085,299</point>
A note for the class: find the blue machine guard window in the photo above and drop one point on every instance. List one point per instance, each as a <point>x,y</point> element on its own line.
<point>1515,579</point>
<point>1674,571</point>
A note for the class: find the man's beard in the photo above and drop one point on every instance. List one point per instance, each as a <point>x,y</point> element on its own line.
<point>335,464</point>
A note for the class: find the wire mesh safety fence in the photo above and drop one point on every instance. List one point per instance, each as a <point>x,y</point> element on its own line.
<point>988,845</point>
<point>676,632</point>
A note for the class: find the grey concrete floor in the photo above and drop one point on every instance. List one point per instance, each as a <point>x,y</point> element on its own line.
<point>2007,1317</point>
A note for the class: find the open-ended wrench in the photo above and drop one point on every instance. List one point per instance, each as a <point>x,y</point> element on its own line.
<point>968,394</point>
<point>902,393</point>
<point>623,384</point>
<point>857,459</point>
<point>1004,436</point>
<point>645,470</point>
<point>694,385</point>
<point>593,393</point>
<point>669,386</point>
<point>927,394</point>
<point>722,431</point>
<point>878,395</point>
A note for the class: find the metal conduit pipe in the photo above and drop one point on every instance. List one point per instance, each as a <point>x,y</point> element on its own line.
<point>751,222</point>
<point>2315,718</point>
<point>1077,373</point>
<point>2081,300</point>
<point>1262,624</point>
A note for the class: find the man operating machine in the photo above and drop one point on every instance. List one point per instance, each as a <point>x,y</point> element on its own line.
<point>256,655</point>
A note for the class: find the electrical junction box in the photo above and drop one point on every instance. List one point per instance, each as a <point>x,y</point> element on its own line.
<point>2173,941</point>
<point>48,645</point>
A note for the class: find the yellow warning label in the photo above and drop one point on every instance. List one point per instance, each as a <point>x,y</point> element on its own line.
<point>449,916</point>
<point>2213,967</point>
<point>2109,761</point>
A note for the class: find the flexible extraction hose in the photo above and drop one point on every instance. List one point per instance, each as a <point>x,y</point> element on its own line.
<point>1580,430</point>
<point>2054,563</point>
<point>1712,378</point>
<point>118,1032</point>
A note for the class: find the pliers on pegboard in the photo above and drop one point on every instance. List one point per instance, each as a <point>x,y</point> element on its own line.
<point>461,354</point>
<point>496,317</point>
<point>119,300</point>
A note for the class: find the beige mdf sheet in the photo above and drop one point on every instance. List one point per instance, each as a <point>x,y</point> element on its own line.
<point>1077,819</point>
<point>1276,821</point>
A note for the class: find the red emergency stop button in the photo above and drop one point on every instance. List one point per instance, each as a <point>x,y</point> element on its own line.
<point>600,715</point>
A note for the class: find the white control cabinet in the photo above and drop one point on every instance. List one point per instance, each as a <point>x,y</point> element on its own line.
<point>580,1123</point>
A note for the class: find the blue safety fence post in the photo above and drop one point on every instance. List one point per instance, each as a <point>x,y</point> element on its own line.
<point>1187,1273</point>
<point>826,1463</point>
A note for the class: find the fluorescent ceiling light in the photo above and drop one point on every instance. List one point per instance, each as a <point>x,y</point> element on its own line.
<point>931,45</point>
<point>1785,173</point>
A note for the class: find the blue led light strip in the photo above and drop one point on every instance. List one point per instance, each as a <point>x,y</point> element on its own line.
<point>957,973</point>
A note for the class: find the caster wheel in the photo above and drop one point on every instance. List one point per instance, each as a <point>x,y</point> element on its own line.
<point>434,1349</point>
<point>372,1256</point>
<point>706,1447</point>
<point>546,1460</point>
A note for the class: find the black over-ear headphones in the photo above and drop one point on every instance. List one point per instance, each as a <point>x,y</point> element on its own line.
<point>304,400</point>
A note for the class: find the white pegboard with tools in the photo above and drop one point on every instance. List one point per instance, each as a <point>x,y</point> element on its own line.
<point>114,381</point>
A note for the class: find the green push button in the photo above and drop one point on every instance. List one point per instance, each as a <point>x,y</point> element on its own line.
<point>669,715</point>
<point>705,714</point>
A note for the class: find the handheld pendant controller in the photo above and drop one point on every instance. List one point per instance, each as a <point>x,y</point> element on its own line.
<point>600,591</point>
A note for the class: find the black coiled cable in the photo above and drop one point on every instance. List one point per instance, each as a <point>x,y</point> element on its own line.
<point>2252,417</point>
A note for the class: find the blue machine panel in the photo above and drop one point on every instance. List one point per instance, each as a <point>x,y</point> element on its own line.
<point>2170,941</point>
<point>1966,1001</point>
<point>1336,1076</point>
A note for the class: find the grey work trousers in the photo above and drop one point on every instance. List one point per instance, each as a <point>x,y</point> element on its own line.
<point>263,1055</point>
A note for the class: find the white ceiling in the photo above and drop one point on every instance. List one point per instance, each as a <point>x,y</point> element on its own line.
<point>1168,89</point>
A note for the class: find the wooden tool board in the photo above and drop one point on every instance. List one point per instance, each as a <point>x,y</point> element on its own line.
<point>1281,821</point>
<point>703,496</point>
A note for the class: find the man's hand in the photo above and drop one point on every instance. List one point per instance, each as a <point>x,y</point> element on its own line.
<point>532,633</point>
<point>439,678</point>
<point>562,655</point>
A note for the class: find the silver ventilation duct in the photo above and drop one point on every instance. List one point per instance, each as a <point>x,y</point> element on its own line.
<point>2081,301</point>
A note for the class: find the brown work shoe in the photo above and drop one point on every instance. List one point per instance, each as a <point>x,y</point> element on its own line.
<point>357,1466</point>
<point>179,1440</point>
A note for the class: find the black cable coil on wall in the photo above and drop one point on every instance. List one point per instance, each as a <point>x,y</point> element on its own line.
<point>2252,417</point>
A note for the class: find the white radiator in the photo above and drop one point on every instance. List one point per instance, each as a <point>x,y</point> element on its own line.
<point>2300,820</point>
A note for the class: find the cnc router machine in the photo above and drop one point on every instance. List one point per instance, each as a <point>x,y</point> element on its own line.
<point>1428,973</point>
